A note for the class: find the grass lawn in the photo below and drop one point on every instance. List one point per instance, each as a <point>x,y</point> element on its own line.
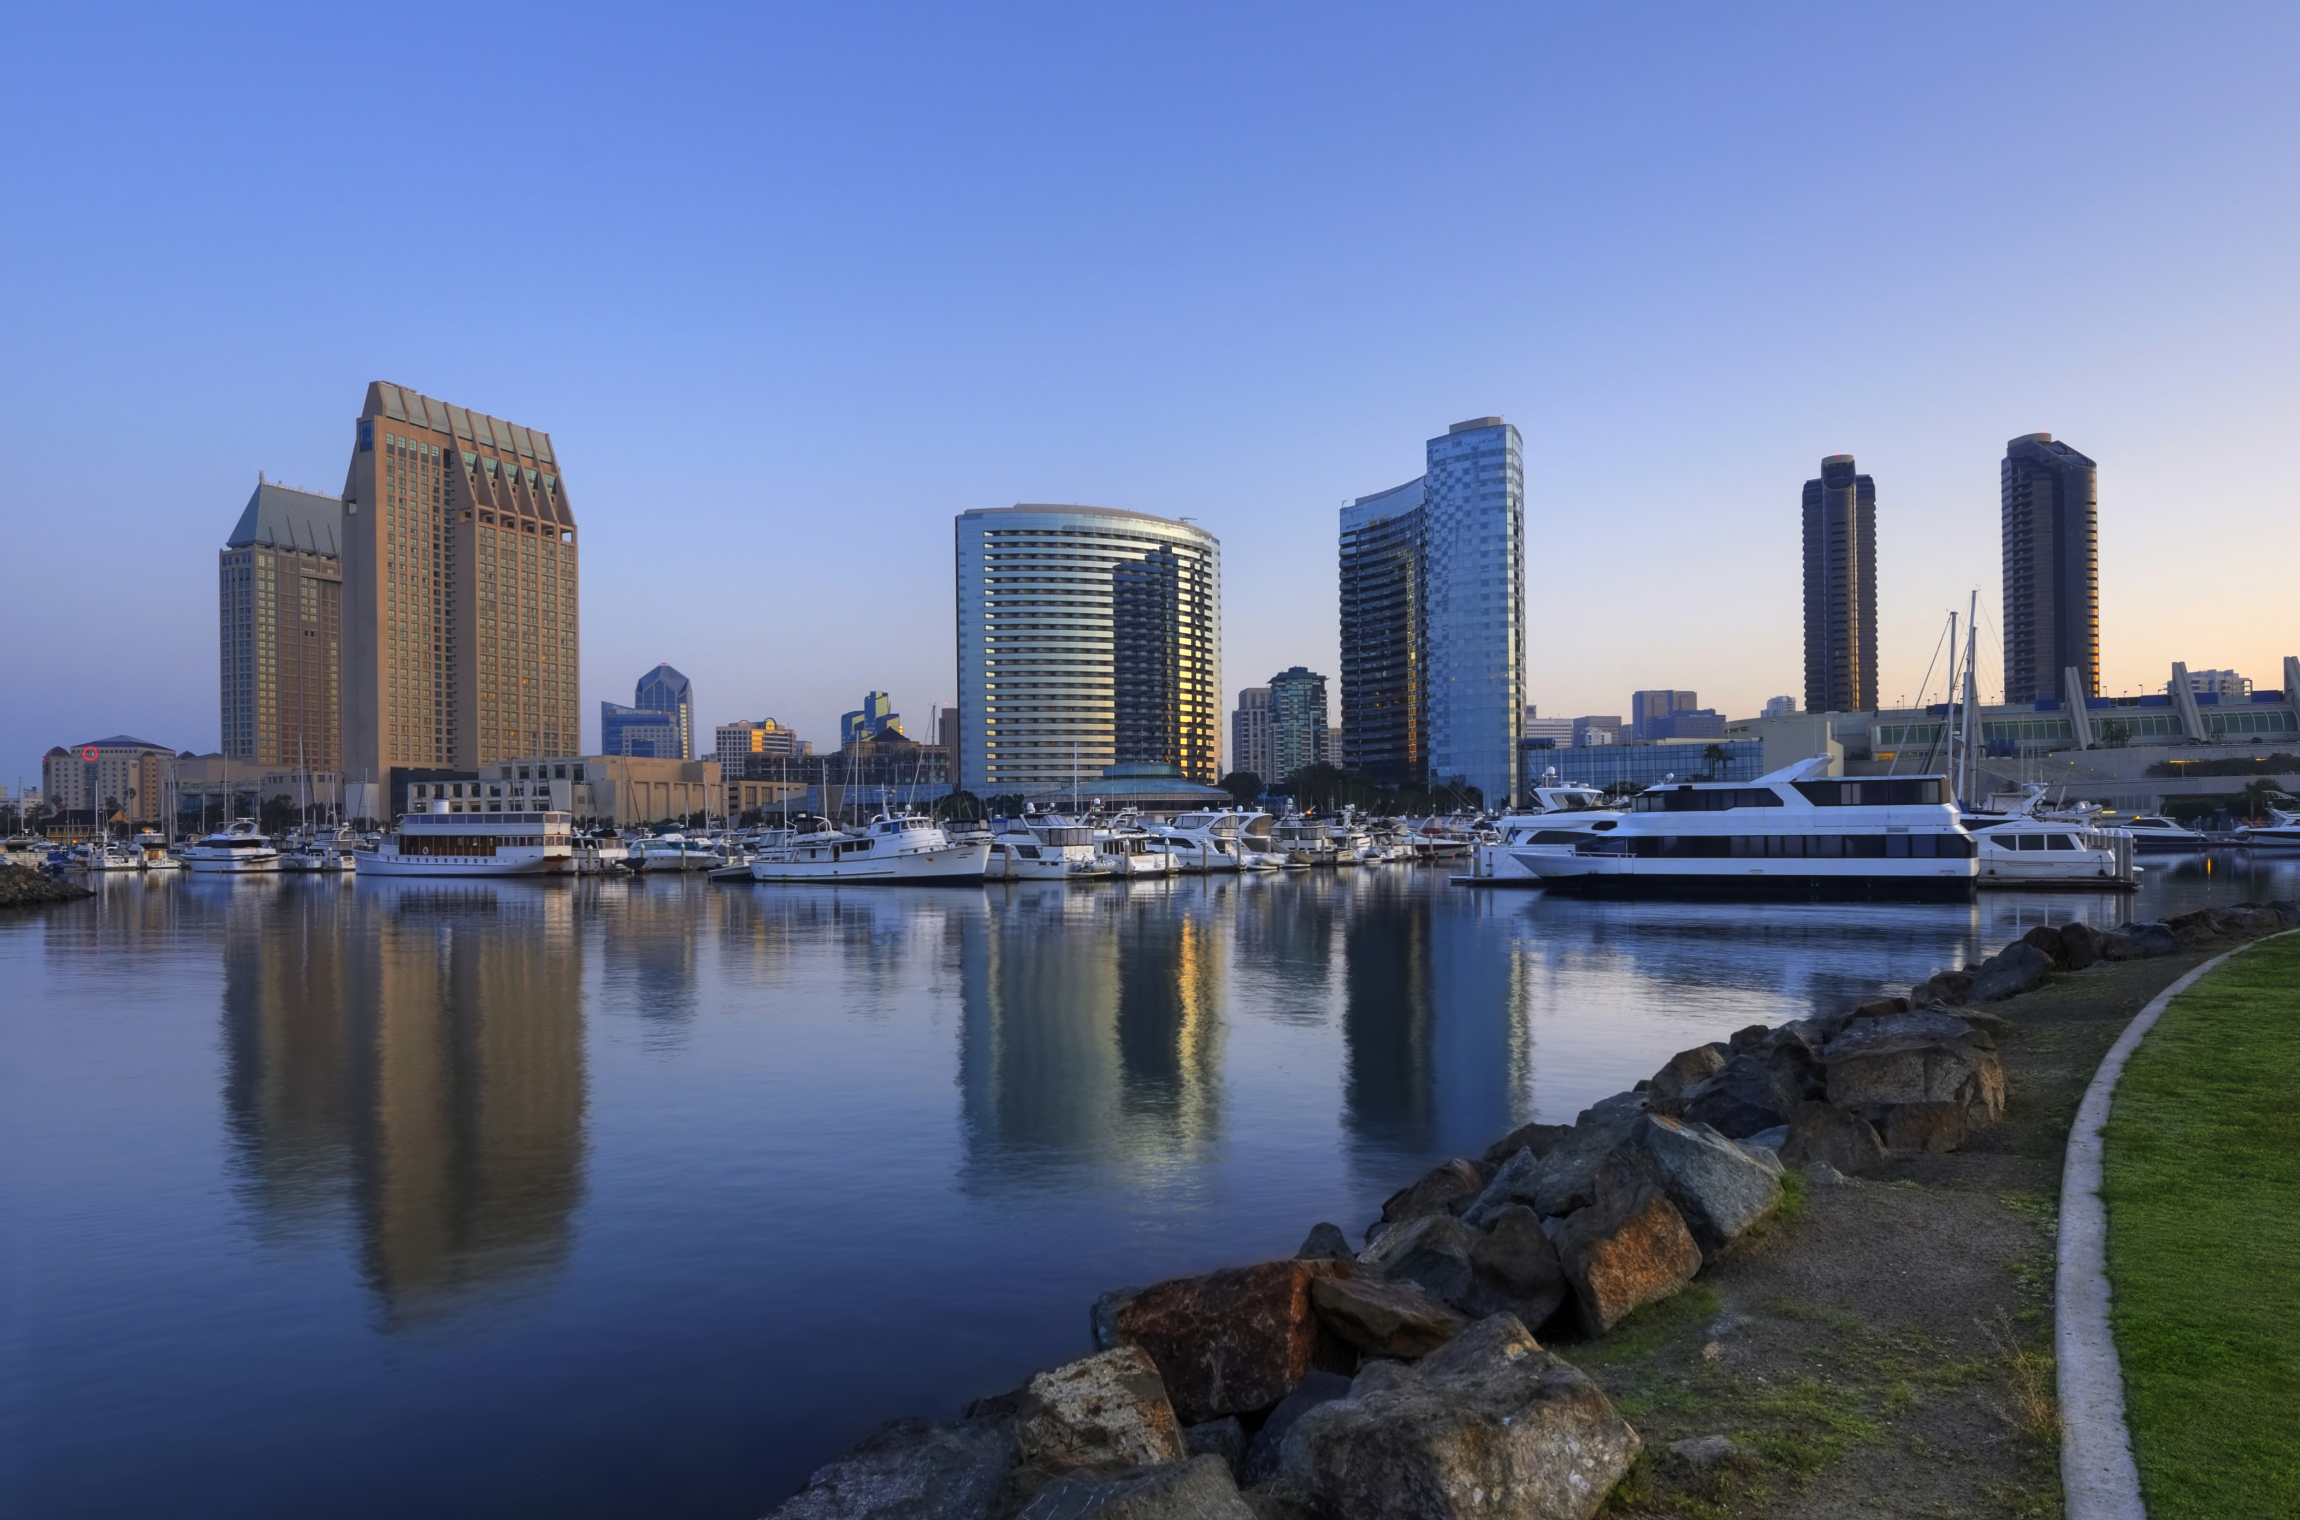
<point>2203,1193</point>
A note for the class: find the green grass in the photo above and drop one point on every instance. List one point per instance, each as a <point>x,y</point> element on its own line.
<point>2203,1191</point>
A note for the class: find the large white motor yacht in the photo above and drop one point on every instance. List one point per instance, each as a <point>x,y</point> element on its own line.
<point>237,849</point>
<point>1127,849</point>
<point>1797,833</point>
<point>2021,846</point>
<point>450,843</point>
<point>1201,843</point>
<point>1559,815</point>
<point>2154,834</point>
<point>891,851</point>
<point>1041,849</point>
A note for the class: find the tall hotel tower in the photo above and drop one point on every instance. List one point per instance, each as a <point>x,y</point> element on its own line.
<point>459,604</point>
<point>1433,617</point>
<point>1087,637</point>
<point>1840,589</point>
<point>279,610</point>
<point>2051,501</point>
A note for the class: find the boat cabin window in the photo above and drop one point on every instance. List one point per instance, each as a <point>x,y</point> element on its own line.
<point>1875,791</point>
<point>1716,799</point>
<point>2059,842</point>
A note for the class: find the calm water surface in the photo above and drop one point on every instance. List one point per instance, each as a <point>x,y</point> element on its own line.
<point>604,1199</point>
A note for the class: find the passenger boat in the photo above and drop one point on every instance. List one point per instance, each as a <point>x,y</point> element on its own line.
<point>1797,833</point>
<point>2281,832</point>
<point>1203,843</point>
<point>237,849</point>
<point>891,851</point>
<point>1560,815</point>
<point>444,843</point>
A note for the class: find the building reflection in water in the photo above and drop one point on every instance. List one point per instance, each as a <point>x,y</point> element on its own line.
<point>412,1053</point>
<point>1092,1027</point>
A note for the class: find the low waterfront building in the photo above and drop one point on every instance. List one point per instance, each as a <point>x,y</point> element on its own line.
<point>1635,766</point>
<point>1152,789</point>
<point>118,777</point>
<point>619,790</point>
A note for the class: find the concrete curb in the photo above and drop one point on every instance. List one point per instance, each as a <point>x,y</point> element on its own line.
<point>2096,1467</point>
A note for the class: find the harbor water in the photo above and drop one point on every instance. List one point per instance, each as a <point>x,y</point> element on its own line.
<point>644,1198</point>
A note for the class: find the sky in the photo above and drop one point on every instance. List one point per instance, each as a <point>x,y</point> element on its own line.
<point>790,287</point>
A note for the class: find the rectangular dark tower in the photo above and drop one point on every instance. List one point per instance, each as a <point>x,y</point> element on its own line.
<point>1385,711</point>
<point>2051,497</point>
<point>1840,589</point>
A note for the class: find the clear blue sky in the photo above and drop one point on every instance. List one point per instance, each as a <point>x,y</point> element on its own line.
<point>791,287</point>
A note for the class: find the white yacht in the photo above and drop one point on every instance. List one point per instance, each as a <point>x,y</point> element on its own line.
<point>1202,843</point>
<point>331,853</point>
<point>1561,814</point>
<point>671,852</point>
<point>1303,842</point>
<point>1255,851</point>
<point>1040,849</point>
<point>237,849</point>
<point>2021,846</point>
<point>1797,833</point>
<point>891,851</point>
<point>449,843</point>
<point>153,846</point>
<point>1126,849</point>
<point>2280,832</point>
<point>2153,833</point>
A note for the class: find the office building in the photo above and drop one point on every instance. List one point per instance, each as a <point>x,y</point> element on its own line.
<point>1780,707</point>
<point>1840,589</point>
<point>876,716</point>
<point>1634,766</point>
<point>460,611</point>
<point>279,615</point>
<point>1433,616</point>
<point>1087,636</point>
<point>2051,508</point>
<point>665,690</point>
<point>1650,711</point>
<point>119,777</point>
<point>1250,735</point>
<point>1596,729</point>
<point>743,745</point>
<point>1297,720</point>
<point>2227,685</point>
<point>660,722</point>
<point>947,738</point>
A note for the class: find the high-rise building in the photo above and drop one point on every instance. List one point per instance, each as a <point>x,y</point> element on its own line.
<point>279,613</point>
<point>739,745</point>
<point>1433,616</point>
<point>2051,501</point>
<point>1649,711</point>
<point>658,725</point>
<point>110,778</point>
<point>1297,720</point>
<point>875,717</point>
<point>1840,589</point>
<point>1250,734</point>
<point>461,638</point>
<point>1087,636</point>
<point>1785,707</point>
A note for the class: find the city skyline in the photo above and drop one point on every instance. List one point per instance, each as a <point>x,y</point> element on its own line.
<point>1194,301</point>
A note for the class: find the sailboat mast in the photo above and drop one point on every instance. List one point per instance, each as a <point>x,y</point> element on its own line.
<point>1969,775</point>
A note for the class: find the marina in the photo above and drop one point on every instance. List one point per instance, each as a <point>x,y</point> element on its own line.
<point>376,1177</point>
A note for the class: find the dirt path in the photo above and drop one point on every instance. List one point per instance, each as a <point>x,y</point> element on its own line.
<point>1885,1348</point>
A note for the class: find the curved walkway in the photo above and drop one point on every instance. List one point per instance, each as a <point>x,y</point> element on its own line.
<point>2096,1466</point>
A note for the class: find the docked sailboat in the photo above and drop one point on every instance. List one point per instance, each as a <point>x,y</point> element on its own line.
<point>239,848</point>
<point>445,843</point>
<point>1797,833</point>
<point>892,851</point>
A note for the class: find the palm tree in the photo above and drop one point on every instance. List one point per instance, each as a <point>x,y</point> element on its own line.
<point>1716,759</point>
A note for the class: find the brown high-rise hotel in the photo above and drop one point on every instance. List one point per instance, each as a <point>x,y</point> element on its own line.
<point>459,600</point>
<point>279,606</point>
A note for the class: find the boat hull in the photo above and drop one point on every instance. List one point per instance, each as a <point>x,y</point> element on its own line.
<point>238,867</point>
<point>377,863</point>
<point>1585,876</point>
<point>951,866</point>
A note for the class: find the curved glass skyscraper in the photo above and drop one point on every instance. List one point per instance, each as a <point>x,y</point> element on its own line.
<point>1086,636</point>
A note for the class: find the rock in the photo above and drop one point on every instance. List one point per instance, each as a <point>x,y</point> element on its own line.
<point>2287,911</point>
<point>1768,1139</point>
<point>1917,1057</point>
<point>1934,1127</point>
<point>1102,1319</point>
<point>2152,939</point>
<point>1262,1452</point>
<point>1231,1341</point>
<point>911,1471</point>
<point>1747,1096</point>
<point>1492,1425</point>
<point>1824,1174</point>
<point>1704,1452</point>
<point>1441,1191</point>
<point>1326,1243</point>
<point>1628,1249</point>
<point>1944,987</point>
<point>1517,1269</point>
<point>1877,1007</point>
<point>1518,1181</point>
<point>1433,1252</point>
<point>1538,1138</point>
<point>1685,1069</point>
<point>1987,1020</point>
<point>2193,930</point>
<point>2082,942</point>
<point>1750,1038</point>
<point>1396,1319</point>
<point>2019,967</point>
<point>1105,1410</point>
<point>2047,938</point>
<point>1226,1438</point>
<point>1825,1134</point>
<point>1199,1489</point>
<point>1562,1180</point>
<point>2250,918</point>
<point>1719,1188</point>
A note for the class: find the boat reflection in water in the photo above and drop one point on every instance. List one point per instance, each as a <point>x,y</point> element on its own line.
<point>415,1051</point>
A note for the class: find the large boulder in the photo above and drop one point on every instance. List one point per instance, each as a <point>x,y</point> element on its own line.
<point>1231,1341</point>
<point>2194,930</point>
<point>2081,941</point>
<point>1746,1096</point>
<point>1262,1453</point>
<point>1826,1133</point>
<point>1442,1190</point>
<point>1936,1127</point>
<point>1199,1489</point>
<point>1944,987</point>
<point>2019,967</point>
<point>1563,1179</point>
<point>1492,1426</point>
<point>1628,1249</point>
<point>1517,1270</point>
<point>2251,918</point>
<point>1720,1188</point>
<point>1685,1069</point>
<point>1433,1251</point>
<point>1395,1319</point>
<point>1105,1410</point>
<point>1224,1438</point>
<point>1538,1138</point>
<point>911,1471</point>
<point>2287,912</point>
<point>1102,1318</point>
<point>1326,1242</point>
<point>2047,937</point>
<point>2150,940</point>
<point>1922,1056</point>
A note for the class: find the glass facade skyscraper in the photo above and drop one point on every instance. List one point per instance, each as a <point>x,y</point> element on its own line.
<point>1433,616</point>
<point>658,725</point>
<point>1087,636</point>
<point>2051,503</point>
<point>1840,589</point>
